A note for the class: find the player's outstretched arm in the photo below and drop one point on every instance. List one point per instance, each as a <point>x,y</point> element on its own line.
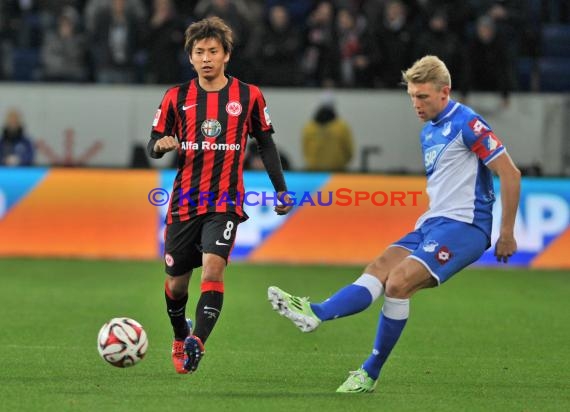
<point>510,178</point>
<point>272,162</point>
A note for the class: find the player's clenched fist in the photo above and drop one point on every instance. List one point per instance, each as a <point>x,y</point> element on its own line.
<point>285,204</point>
<point>166,144</point>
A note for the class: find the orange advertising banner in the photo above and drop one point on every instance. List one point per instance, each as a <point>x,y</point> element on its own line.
<point>337,219</point>
<point>84,213</point>
<point>367,214</point>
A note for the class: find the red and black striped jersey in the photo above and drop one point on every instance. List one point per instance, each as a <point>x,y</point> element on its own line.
<point>212,129</point>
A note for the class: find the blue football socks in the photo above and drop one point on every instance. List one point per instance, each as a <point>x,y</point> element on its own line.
<point>393,318</point>
<point>351,299</point>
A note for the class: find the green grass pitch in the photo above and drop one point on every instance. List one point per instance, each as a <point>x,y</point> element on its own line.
<point>488,340</point>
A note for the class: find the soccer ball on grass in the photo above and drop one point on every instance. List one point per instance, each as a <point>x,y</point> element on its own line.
<point>122,342</point>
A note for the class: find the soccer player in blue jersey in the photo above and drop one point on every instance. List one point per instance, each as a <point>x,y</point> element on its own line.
<point>460,151</point>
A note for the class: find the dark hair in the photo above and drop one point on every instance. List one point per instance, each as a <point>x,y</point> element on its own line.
<point>208,28</point>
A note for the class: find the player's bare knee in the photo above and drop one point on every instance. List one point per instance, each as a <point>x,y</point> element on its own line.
<point>177,286</point>
<point>212,276</point>
<point>213,268</point>
<point>396,288</point>
<point>398,284</point>
<point>213,273</point>
<point>379,268</point>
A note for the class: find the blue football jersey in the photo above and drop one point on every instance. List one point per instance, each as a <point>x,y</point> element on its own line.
<point>457,145</point>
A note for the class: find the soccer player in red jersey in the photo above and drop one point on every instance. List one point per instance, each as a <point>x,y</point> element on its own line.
<point>207,120</point>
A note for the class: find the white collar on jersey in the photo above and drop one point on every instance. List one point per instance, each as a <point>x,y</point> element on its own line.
<point>451,107</point>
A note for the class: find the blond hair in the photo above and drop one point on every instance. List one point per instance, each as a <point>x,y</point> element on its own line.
<point>428,69</point>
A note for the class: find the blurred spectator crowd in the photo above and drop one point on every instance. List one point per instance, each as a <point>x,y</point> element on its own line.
<point>489,45</point>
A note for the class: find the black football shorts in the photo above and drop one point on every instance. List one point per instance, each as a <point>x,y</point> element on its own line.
<point>186,241</point>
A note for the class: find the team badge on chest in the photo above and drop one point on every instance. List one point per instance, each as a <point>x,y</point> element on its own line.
<point>211,128</point>
<point>233,108</point>
<point>446,129</point>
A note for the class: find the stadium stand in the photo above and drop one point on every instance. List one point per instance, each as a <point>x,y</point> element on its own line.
<point>525,69</point>
<point>554,74</point>
<point>543,27</point>
<point>556,40</point>
<point>26,64</point>
<point>554,62</point>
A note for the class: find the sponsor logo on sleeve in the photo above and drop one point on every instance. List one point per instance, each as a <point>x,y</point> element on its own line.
<point>266,114</point>
<point>491,142</point>
<point>156,118</point>
<point>478,127</point>
<point>487,145</point>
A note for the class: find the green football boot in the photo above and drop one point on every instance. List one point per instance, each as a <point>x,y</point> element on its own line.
<point>294,308</point>
<point>358,382</point>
